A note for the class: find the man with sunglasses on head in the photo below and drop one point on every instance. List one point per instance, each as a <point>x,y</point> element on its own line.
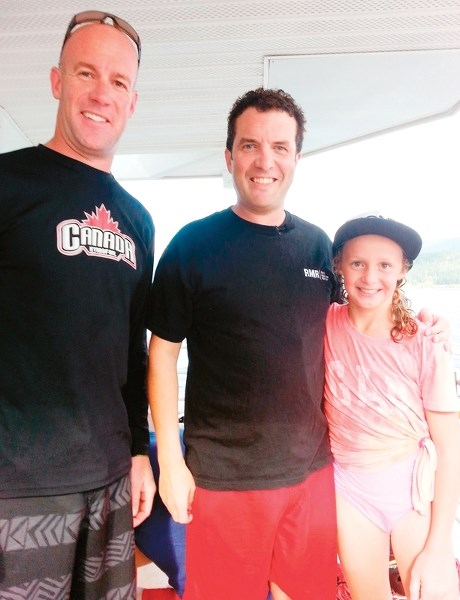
<point>76,258</point>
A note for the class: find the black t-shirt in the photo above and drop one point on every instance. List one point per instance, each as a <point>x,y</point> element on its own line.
<point>76,254</point>
<point>251,300</point>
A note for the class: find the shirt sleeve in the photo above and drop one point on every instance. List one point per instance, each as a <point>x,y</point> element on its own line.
<point>438,378</point>
<point>170,306</point>
<point>135,390</point>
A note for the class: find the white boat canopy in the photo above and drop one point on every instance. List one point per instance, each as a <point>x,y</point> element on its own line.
<point>358,68</point>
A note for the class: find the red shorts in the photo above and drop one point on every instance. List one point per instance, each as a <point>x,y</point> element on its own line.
<point>240,541</point>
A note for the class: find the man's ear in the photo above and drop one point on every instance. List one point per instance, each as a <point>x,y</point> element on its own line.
<point>55,79</point>
<point>228,160</point>
<point>133,103</point>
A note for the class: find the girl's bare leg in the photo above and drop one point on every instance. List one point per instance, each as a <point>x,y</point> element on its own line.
<point>364,554</point>
<point>408,539</point>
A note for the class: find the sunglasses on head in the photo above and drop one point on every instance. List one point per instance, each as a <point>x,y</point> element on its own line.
<point>97,16</point>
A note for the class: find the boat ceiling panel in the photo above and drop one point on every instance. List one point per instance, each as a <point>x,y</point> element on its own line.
<point>357,67</point>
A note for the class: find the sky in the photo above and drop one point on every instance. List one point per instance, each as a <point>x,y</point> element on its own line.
<point>411,175</point>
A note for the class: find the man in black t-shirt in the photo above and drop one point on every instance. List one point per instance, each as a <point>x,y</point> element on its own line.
<point>76,256</point>
<point>249,289</point>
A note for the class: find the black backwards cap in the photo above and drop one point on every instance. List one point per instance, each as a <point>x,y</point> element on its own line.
<point>374,224</point>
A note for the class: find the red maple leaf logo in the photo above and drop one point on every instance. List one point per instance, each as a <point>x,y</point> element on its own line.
<point>102,220</point>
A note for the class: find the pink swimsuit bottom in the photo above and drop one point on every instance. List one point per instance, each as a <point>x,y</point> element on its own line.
<point>383,497</point>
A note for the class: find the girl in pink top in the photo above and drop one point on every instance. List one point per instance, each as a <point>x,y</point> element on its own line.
<point>393,416</point>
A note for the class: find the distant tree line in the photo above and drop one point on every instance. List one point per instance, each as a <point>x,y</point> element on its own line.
<point>438,265</point>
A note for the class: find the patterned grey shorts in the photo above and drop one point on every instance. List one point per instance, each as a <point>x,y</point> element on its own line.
<point>76,546</point>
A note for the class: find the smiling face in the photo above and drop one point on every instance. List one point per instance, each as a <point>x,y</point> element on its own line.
<point>95,89</point>
<point>371,266</point>
<point>262,162</point>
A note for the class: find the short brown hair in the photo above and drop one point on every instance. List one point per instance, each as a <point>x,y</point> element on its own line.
<point>264,100</point>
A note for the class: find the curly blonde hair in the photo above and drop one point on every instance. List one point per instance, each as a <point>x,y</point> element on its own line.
<point>402,315</point>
